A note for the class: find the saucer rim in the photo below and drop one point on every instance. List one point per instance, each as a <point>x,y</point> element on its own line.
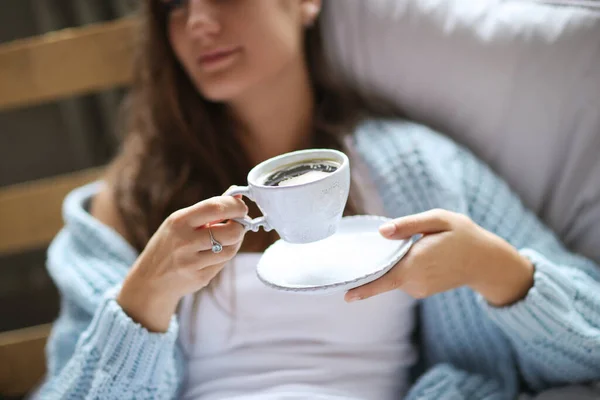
<point>403,248</point>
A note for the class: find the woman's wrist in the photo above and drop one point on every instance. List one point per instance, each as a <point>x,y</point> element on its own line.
<point>150,308</point>
<point>501,275</point>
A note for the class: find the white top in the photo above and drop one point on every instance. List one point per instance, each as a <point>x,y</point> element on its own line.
<point>247,341</point>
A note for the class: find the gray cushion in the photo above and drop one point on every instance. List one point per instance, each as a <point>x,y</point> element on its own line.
<point>516,81</point>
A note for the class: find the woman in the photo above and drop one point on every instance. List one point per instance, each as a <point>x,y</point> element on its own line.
<point>149,311</point>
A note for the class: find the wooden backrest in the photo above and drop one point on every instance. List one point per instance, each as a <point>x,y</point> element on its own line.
<point>33,71</point>
<point>23,362</point>
<point>65,63</point>
<point>48,68</point>
<point>30,212</point>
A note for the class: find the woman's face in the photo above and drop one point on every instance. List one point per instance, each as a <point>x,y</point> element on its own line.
<point>228,47</point>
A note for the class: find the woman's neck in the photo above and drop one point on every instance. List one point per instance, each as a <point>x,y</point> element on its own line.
<point>277,116</point>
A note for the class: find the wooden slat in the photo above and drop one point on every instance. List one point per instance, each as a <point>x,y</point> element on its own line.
<point>30,213</point>
<point>23,360</point>
<point>65,63</point>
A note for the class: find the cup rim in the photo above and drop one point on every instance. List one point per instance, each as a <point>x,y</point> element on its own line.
<point>342,155</point>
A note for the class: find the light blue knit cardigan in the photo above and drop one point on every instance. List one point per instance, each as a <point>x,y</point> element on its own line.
<point>470,349</point>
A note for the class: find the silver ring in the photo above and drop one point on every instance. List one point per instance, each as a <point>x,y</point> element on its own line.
<point>216,246</point>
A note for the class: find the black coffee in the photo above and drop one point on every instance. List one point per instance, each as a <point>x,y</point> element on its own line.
<point>299,173</point>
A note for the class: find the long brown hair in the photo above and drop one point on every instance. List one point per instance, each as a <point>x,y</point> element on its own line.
<point>180,148</point>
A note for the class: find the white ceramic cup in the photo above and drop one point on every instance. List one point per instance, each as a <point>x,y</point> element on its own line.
<point>302,213</point>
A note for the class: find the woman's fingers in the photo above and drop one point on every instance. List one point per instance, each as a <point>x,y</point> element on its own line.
<point>433,221</point>
<point>391,281</point>
<point>214,209</point>
<point>227,234</point>
<point>206,258</point>
<point>209,273</point>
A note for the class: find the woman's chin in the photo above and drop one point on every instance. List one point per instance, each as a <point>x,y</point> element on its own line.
<point>221,92</point>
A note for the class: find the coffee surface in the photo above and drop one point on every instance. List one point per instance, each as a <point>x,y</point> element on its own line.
<point>300,173</point>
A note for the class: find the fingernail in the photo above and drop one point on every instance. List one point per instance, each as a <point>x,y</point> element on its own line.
<point>387,229</point>
<point>354,297</point>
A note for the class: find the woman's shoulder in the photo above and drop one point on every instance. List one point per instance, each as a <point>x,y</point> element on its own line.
<point>410,158</point>
<point>103,207</point>
<point>403,132</point>
<point>92,224</point>
<point>397,137</point>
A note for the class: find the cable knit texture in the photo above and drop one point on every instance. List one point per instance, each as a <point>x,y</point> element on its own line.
<point>470,349</point>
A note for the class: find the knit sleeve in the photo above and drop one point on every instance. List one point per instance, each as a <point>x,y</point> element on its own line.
<point>112,358</point>
<point>95,351</point>
<point>446,382</point>
<point>555,329</point>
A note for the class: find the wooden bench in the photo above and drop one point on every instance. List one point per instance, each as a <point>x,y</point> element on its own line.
<point>36,70</point>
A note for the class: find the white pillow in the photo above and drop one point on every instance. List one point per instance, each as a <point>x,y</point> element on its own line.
<point>516,81</point>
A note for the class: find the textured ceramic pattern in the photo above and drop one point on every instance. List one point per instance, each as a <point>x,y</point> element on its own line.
<point>303,213</point>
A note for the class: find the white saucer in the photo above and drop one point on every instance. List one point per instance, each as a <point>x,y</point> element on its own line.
<point>357,254</point>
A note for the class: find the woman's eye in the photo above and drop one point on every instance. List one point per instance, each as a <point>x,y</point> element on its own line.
<point>175,4</point>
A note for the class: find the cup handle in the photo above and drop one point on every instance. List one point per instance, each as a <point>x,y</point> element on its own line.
<point>248,223</point>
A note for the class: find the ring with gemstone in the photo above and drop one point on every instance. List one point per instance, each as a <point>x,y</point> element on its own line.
<point>216,246</point>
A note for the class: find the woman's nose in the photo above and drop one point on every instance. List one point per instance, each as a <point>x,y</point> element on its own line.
<point>202,19</point>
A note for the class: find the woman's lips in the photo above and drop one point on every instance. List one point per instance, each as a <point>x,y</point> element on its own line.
<point>219,58</point>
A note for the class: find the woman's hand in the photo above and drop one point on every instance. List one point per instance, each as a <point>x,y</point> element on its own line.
<point>453,252</point>
<point>178,259</point>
